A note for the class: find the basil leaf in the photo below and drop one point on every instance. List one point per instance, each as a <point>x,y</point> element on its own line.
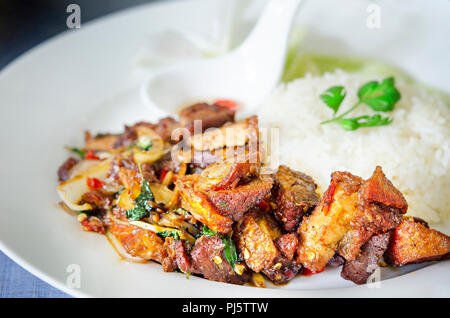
<point>229,250</point>
<point>380,96</point>
<point>208,232</point>
<point>167,233</point>
<point>142,207</point>
<point>333,97</point>
<point>137,213</point>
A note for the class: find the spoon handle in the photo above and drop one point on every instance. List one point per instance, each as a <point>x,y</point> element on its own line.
<point>271,32</point>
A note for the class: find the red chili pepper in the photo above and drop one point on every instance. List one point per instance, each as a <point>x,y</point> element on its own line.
<point>163,174</point>
<point>227,103</point>
<point>94,183</point>
<point>264,206</point>
<point>307,272</point>
<point>91,156</point>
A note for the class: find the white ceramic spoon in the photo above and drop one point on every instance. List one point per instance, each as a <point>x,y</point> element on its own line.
<point>247,74</point>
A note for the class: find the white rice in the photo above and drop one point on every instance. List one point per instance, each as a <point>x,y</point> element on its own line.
<point>414,151</point>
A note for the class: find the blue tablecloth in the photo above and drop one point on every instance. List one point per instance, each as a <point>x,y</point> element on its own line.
<point>17,282</point>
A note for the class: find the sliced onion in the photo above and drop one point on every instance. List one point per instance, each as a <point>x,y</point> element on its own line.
<point>156,228</point>
<point>162,193</point>
<point>121,250</point>
<point>155,152</point>
<point>72,190</point>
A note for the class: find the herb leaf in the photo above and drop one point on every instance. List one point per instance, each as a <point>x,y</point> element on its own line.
<point>364,121</point>
<point>144,143</point>
<point>380,96</point>
<point>229,250</point>
<point>142,208</point>
<point>167,233</point>
<point>333,97</point>
<point>78,151</point>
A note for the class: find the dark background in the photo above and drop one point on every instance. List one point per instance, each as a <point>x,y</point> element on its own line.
<point>26,23</point>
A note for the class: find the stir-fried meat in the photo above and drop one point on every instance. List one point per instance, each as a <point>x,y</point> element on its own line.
<point>139,242</point>
<point>287,244</point>
<point>294,194</point>
<point>97,199</point>
<point>233,203</point>
<point>128,137</point>
<point>229,135</point>
<point>413,242</point>
<point>255,240</point>
<point>336,261</point>
<point>163,128</point>
<point>379,190</point>
<point>211,116</point>
<point>264,248</point>
<point>321,232</point>
<point>198,203</point>
<point>123,171</point>
<point>359,269</point>
<point>225,175</point>
<point>64,169</point>
<point>373,216</point>
<point>100,143</point>
<point>203,159</point>
<point>348,217</point>
<point>207,258</point>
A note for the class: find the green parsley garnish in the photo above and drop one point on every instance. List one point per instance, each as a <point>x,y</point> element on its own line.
<point>379,96</point>
<point>229,250</point>
<point>142,208</point>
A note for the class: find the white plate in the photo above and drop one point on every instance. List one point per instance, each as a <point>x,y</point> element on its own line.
<point>83,80</point>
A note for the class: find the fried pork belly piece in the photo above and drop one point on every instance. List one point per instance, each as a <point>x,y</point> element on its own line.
<point>351,212</point>
<point>380,208</point>
<point>413,242</point>
<point>233,203</point>
<point>139,242</point>
<point>100,143</point>
<point>294,194</point>
<point>207,258</point>
<point>210,116</point>
<point>225,175</point>
<point>229,200</point>
<point>265,249</point>
<point>198,203</point>
<point>366,263</point>
<point>320,233</point>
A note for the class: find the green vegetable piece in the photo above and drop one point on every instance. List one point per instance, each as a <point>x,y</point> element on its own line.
<point>333,97</point>
<point>364,121</point>
<point>229,250</point>
<point>167,233</point>
<point>144,143</point>
<point>380,96</point>
<point>78,151</point>
<point>142,208</point>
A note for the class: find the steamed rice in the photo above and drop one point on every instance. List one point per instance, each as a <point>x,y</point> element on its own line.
<point>414,150</point>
